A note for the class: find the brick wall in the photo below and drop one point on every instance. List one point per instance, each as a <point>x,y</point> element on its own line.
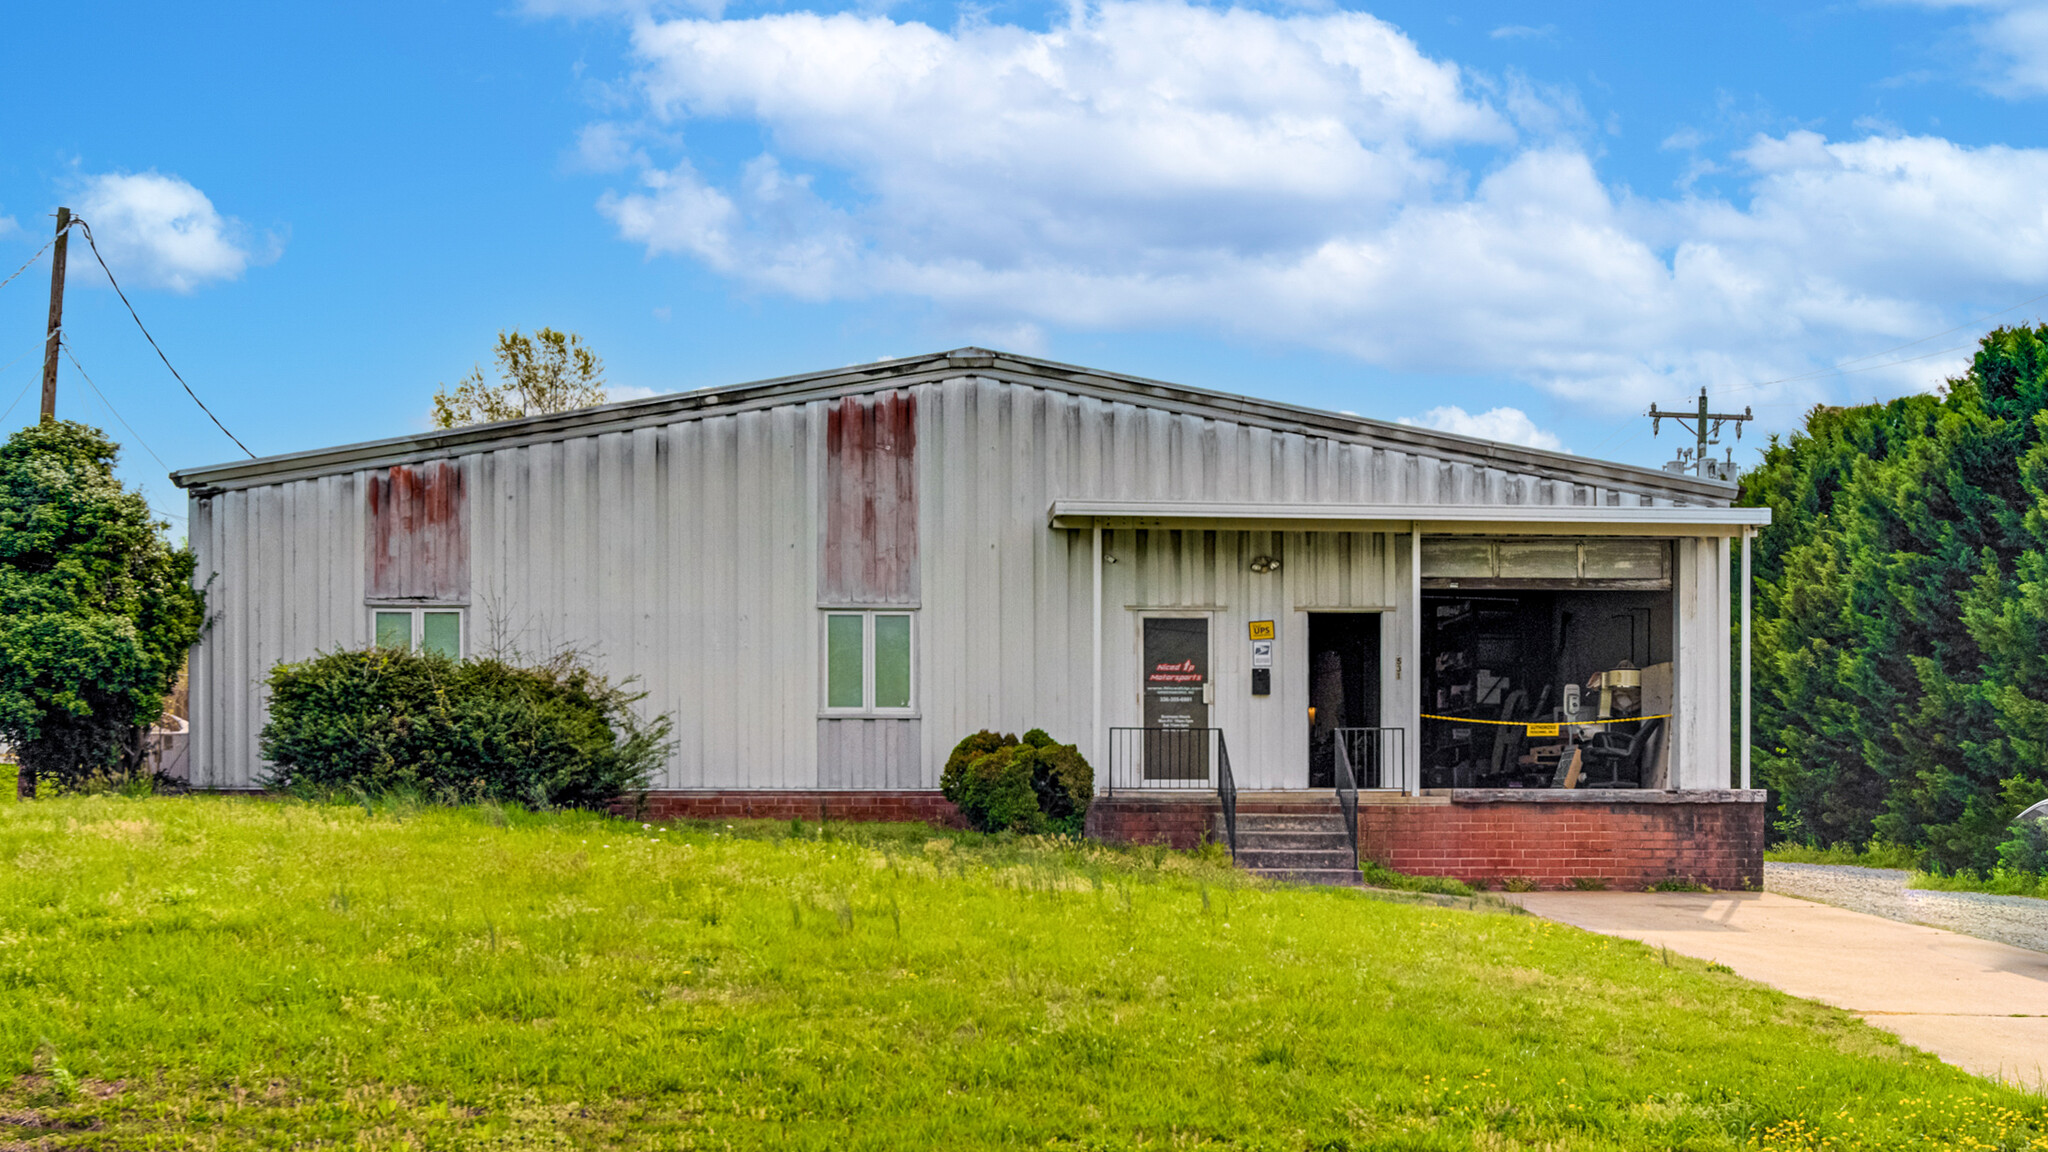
<point>1176,822</point>
<point>1716,840</point>
<point>748,804</point>
<point>1620,840</point>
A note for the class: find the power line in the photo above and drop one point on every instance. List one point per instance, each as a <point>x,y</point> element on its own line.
<point>117,415</point>
<point>66,345</point>
<point>31,260</point>
<point>17,397</point>
<point>152,340</point>
<point>9,410</point>
<point>1830,373</point>
<point>1840,370</point>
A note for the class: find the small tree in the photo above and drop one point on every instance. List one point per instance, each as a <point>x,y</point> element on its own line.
<point>550,372</point>
<point>97,610</point>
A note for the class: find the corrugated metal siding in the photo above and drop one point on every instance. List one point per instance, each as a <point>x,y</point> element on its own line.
<point>876,753</point>
<point>687,555</point>
<point>1701,669</point>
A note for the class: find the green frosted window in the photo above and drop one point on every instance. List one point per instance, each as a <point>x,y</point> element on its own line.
<point>441,633</point>
<point>892,661</point>
<point>394,630</point>
<point>868,662</point>
<point>843,686</point>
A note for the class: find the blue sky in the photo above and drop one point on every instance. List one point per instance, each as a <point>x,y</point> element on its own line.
<point>1521,220</point>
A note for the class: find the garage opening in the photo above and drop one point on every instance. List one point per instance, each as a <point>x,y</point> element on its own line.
<point>1541,660</point>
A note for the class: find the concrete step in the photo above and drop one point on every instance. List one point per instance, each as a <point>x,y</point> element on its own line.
<point>1327,841</point>
<point>1273,822</point>
<point>1292,859</point>
<point>1336,877</point>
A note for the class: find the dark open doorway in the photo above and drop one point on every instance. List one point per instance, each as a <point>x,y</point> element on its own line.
<point>1343,685</point>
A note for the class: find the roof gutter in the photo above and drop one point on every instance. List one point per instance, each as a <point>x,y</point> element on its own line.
<point>1430,519</point>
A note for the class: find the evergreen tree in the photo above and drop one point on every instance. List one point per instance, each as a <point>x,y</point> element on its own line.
<point>1903,602</point>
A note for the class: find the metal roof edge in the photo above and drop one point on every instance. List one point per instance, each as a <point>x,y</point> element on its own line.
<point>1073,513</point>
<point>918,369</point>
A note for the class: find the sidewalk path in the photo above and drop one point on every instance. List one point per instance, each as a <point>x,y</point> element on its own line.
<point>1980,1005</point>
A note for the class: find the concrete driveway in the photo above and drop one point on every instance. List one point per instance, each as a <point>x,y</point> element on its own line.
<point>1979,1005</point>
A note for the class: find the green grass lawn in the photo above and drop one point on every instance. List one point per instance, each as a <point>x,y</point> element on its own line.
<point>241,973</point>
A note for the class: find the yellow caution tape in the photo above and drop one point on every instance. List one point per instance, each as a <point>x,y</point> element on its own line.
<point>1543,729</point>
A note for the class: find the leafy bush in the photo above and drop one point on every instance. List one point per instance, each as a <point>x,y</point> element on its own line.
<point>97,610</point>
<point>556,734</point>
<point>1034,785</point>
<point>954,779</point>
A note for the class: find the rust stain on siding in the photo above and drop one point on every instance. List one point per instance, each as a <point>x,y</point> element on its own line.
<point>417,543</point>
<point>870,552</point>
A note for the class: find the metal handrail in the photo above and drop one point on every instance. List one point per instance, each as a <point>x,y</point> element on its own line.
<point>1175,758</point>
<point>1162,758</point>
<point>1347,797</point>
<point>1377,755</point>
<point>1226,793</point>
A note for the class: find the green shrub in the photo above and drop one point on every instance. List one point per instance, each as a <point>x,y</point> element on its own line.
<point>556,734</point>
<point>1876,854</point>
<point>999,793</point>
<point>97,609</point>
<point>953,781</point>
<point>1034,785</point>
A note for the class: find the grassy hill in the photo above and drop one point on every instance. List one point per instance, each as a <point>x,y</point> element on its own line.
<point>243,973</point>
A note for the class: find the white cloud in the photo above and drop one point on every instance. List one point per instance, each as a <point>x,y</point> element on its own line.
<point>1524,32</point>
<point>606,147</point>
<point>616,393</point>
<point>8,225</point>
<point>160,231</point>
<point>2013,38</point>
<point>1022,337</point>
<point>1301,177</point>
<point>1506,425</point>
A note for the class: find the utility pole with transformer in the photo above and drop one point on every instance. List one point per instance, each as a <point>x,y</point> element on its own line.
<point>1706,428</point>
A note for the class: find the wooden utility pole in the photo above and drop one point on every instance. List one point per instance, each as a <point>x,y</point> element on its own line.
<point>56,315</point>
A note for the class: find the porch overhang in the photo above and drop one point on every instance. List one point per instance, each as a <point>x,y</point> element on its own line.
<point>1428,519</point>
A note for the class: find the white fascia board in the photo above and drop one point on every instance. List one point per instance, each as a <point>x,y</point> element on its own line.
<point>1430,519</point>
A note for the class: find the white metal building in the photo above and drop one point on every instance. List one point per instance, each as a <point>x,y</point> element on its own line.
<point>828,579</point>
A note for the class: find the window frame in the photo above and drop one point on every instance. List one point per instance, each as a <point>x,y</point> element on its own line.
<point>867,705</point>
<point>418,613</point>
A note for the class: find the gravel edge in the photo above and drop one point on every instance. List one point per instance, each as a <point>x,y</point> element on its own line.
<point>2021,921</point>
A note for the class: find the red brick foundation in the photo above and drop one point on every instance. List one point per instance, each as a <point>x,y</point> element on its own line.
<point>1175,821</point>
<point>754,804</point>
<point>1617,840</point>
<point>1551,839</point>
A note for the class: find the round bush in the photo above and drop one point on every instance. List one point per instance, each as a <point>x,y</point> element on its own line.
<point>1000,783</point>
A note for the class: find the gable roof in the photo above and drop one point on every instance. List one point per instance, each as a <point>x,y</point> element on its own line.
<point>912,370</point>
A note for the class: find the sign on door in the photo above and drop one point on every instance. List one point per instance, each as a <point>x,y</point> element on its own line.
<point>1176,706</point>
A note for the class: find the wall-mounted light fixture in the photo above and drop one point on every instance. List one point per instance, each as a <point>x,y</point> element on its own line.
<point>1263,564</point>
